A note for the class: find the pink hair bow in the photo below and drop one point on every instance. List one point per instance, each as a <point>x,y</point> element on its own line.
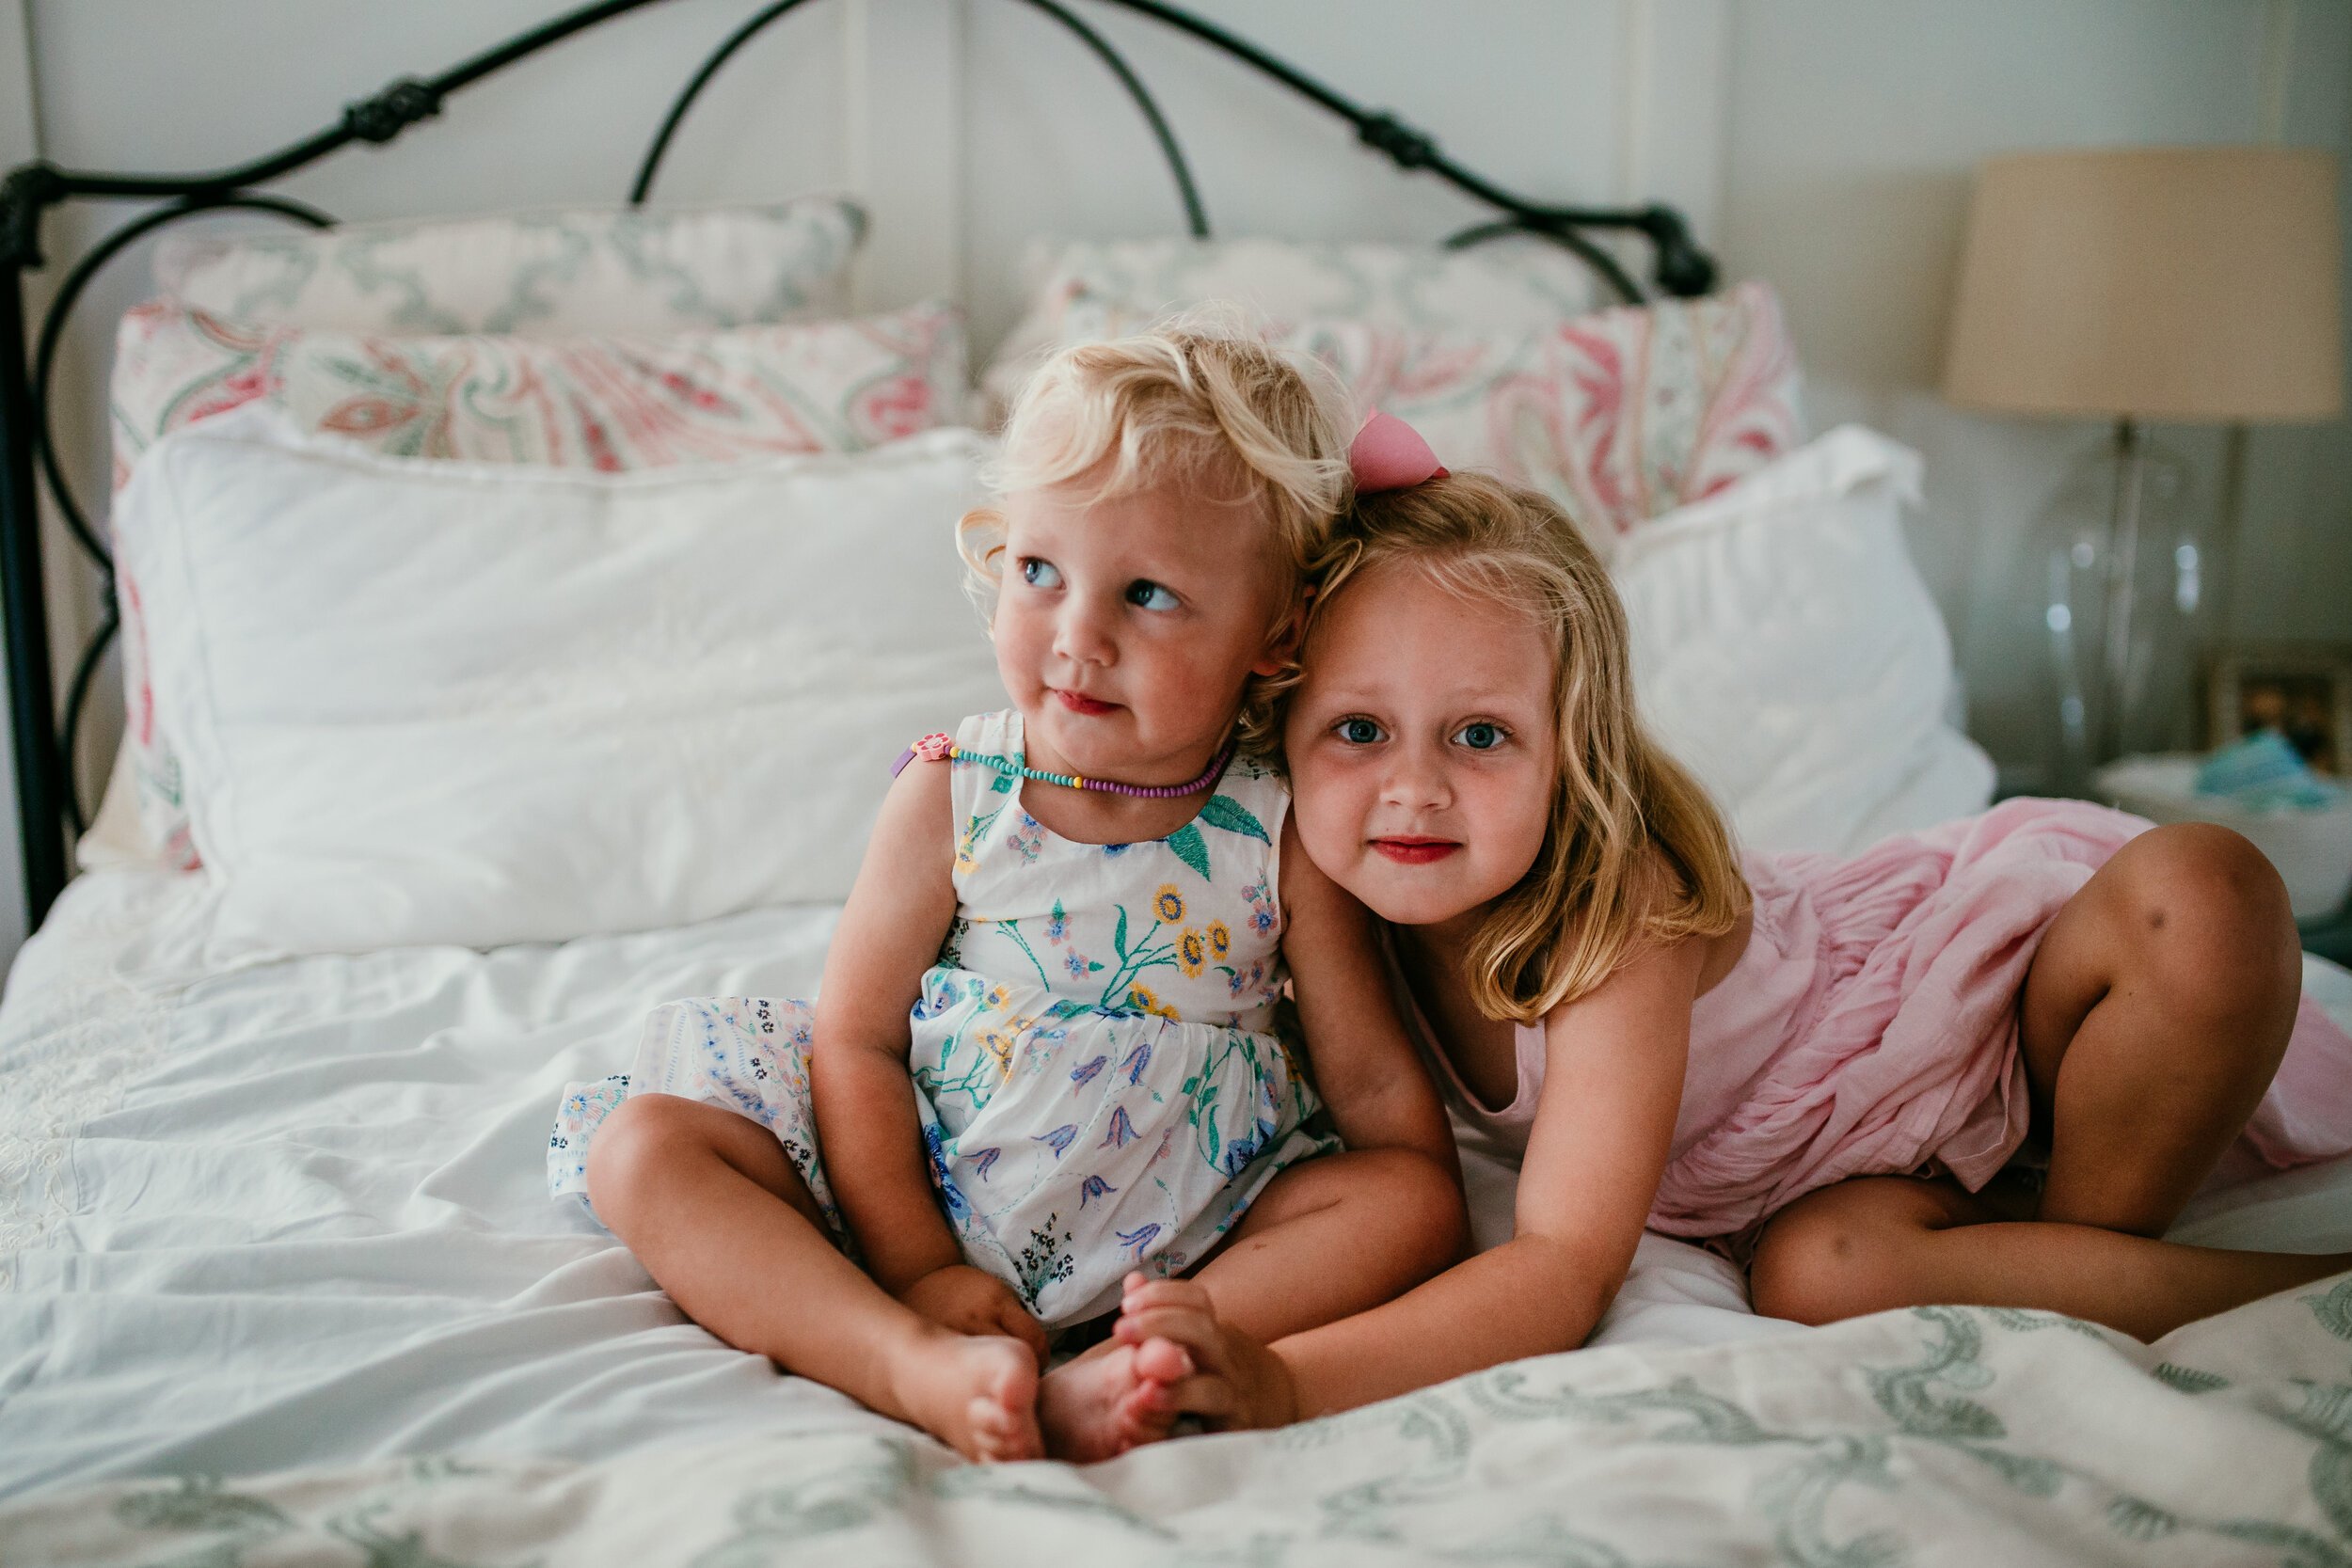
<point>1389,454</point>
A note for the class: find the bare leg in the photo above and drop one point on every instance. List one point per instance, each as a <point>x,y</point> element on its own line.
<point>1326,1239</point>
<point>1883,1242</point>
<point>2153,1017</point>
<point>709,1204</point>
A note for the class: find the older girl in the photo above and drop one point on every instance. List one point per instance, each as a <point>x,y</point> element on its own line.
<point>1823,1064</point>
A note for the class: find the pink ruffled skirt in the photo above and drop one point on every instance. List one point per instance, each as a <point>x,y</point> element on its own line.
<point>1871,1025</point>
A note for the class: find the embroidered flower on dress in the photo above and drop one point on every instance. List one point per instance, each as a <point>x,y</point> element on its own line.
<point>999,1044</point>
<point>1220,938</point>
<point>1238,981</point>
<point>1143,999</point>
<point>1168,903</point>
<point>1261,900</point>
<point>1192,952</point>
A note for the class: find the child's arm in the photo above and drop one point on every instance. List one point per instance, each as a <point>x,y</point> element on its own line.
<point>898,914</point>
<point>1612,1082</point>
<point>1365,1068</point>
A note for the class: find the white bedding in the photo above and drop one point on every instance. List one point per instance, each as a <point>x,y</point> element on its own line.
<point>303,1221</point>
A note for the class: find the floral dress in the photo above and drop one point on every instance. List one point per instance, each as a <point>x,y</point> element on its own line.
<point>1094,1063</point>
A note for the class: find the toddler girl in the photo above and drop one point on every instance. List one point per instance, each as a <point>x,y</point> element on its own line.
<point>1822,1064</point>
<point>1045,1054</point>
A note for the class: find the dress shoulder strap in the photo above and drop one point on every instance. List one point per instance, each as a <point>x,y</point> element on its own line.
<point>977,790</point>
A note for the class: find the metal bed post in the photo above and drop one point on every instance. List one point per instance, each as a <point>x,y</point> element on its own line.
<point>40,817</point>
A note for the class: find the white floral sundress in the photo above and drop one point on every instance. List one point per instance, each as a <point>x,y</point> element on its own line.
<point>1094,1061</point>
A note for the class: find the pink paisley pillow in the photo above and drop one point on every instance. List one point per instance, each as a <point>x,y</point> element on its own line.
<point>599,403</point>
<point>1620,415</point>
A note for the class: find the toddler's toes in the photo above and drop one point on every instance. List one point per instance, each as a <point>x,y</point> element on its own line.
<point>1003,1415</point>
<point>1161,1362</point>
<point>1146,1414</point>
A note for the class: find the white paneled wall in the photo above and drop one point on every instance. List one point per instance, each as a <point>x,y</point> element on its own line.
<point>1823,145</point>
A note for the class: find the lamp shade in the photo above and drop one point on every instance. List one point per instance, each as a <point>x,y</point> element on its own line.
<point>2190,284</point>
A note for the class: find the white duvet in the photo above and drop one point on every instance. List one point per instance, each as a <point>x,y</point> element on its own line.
<point>293,1218</point>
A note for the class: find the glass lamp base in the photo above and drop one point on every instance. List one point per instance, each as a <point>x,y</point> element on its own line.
<point>2121,585</point>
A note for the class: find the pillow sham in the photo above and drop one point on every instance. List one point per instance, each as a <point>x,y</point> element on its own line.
<point>1510,284</point>
<point>447,703</point>
<point>538,274</point>
<point>596,403</point>
<point>1618,416</point>
<point>606,402</point>
<point>1786,650</point>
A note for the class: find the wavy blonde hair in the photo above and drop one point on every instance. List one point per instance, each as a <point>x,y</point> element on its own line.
<point>1568,924</point>
<point>1198,401</point>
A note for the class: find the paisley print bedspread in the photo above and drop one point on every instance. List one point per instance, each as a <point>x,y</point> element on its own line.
<point>1940,1435</point>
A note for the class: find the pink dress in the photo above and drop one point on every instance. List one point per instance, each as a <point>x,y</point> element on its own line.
<point>1870,1026</point>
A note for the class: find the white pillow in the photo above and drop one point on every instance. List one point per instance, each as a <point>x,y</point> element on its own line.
<point>607,270</point>
<point>426,701</point>
<point>1786,650</point>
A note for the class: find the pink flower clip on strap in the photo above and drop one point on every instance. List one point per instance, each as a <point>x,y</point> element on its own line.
<point>1389,454</point>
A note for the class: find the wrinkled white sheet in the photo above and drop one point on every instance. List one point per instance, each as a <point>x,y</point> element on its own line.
<point>295,1215</point>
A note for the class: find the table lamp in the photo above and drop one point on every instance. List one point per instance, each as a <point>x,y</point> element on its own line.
<point>2182,285</point>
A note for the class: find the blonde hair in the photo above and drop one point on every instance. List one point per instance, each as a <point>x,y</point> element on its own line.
<point>1568,924</point>
<point>1197,401</point>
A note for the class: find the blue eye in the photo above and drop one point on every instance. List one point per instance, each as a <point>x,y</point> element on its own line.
<point>1481,736</point>
<point>1040,574</point>
<point>1149,595</point>
<point>1358,732</point>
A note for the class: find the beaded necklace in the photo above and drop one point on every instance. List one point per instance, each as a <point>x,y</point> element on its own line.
<point>936,747</point>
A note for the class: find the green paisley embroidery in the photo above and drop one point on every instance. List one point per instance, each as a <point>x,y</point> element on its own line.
<point>1907,1394</point>
<point>769,1523</point>
<point>2189,1380</point>
<point>2334,1309</point>
<point>198,1503</point>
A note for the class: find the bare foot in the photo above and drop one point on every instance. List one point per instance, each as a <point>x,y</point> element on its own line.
<point>976,1393</point>
<point>1150,1409</point>
<point>1232,1382</point>
<point>1102,1403</point>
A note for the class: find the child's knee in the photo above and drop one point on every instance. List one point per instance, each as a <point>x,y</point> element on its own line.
<point>639,1139</point>
<point>2212,929</point>
<point>618,1152</point>
<point>1841,1254</point>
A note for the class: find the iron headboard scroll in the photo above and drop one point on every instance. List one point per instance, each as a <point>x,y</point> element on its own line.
<point>48,801</point>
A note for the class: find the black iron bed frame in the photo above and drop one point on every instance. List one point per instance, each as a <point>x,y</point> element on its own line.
<point>48,801</point>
